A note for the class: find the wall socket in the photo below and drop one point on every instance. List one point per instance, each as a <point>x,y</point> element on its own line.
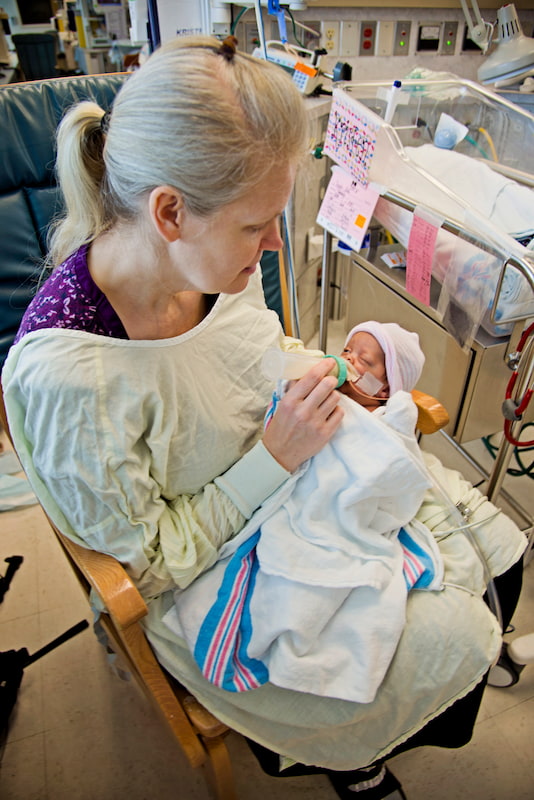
<point>330,37</point>
<point>367,38</point>
<point>349,39</point>
<point>384,40</point>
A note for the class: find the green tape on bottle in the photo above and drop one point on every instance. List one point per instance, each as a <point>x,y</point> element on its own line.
<point>341,369</point>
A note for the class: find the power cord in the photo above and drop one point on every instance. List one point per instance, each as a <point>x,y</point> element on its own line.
<point>522,469</point>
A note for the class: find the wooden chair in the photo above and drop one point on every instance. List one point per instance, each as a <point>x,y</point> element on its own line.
<point>431,415</point>
<point>198,733</point>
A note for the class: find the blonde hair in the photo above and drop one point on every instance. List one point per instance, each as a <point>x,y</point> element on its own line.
<point>209,125</point>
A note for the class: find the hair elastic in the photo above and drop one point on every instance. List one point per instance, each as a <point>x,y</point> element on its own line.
<point>104,121</point>
<point>228,48</point>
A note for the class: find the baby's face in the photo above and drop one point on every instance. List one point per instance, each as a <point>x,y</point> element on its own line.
<point>365,354</point>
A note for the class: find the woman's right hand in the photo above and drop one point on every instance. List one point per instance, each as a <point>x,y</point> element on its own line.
<point>306,417</point>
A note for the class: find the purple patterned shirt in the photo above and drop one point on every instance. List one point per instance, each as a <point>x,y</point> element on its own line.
<point>71,299</point>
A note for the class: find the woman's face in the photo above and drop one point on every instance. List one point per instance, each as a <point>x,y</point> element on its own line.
<point>365,354</point>
<point>219,253</point>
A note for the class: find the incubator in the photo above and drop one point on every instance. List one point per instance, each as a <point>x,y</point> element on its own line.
<point>498,131</point>
<point>460,208</point>
<point>479,199</point>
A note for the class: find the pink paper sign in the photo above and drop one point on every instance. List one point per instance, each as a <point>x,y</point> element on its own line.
<point>347,208</point>
<point>419,256</point>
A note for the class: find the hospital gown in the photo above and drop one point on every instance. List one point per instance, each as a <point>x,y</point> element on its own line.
<point>118,438</point>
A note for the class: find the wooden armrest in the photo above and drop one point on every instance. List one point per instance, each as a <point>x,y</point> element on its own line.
<point>431,414</point>
<point>203,720</point>
<point>126,607</point>
<point>110,581</point>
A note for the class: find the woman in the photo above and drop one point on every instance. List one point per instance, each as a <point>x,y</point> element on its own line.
<point>134,390</point>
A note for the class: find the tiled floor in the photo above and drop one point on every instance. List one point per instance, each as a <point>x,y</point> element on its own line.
<point>80,733</point>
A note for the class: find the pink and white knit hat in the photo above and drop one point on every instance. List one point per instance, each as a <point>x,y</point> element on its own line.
<point>404,357</point>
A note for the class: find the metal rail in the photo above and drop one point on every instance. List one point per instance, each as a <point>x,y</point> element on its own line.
<point>452,226</point>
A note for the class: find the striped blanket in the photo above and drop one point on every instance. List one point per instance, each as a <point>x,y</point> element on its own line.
<point>223,641</point>
<point>312,593</point>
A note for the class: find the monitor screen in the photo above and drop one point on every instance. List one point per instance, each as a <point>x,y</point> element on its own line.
<point>35,12</point>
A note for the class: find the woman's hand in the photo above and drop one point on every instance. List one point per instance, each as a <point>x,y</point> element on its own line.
<point>306,418</point>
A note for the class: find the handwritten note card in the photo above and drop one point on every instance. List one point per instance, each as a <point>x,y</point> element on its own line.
<point>347,208</point>
<point>419,256</point>
<point>350,137</point>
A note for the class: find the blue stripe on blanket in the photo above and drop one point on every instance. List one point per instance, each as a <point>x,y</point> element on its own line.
<point>418,566</point>
<point>222,642</point>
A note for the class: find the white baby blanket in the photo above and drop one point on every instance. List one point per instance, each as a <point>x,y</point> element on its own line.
<point>312,593</point>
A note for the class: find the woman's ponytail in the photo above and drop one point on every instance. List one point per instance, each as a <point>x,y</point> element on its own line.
<point>81,175</point>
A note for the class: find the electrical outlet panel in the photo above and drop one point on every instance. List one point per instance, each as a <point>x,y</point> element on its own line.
<point>221,29</point>
<point>330,39</point>
<point>303,38</point>
<point>367,38</point>
<point>401,38</point>
<point>349,39</point>
<point>428,37</point>
<point>449,35</point>
<point>384,40</point>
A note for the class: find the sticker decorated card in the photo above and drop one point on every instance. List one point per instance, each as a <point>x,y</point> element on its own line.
<point>347,208</point>
<point>350,138</point>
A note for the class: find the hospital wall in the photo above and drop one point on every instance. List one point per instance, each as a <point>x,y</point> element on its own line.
<point>385,57</point>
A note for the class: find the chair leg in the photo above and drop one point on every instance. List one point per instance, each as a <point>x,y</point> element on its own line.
<point>221,777</point>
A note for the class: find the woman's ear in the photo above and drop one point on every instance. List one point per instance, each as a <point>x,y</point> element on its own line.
<point>166,208</point>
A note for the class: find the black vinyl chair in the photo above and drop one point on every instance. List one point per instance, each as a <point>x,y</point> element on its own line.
<point>36,53</point>
<point>29,198</point>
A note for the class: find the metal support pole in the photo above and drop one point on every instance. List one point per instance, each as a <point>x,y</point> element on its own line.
<point>525,372</point>
<point>326,279</point>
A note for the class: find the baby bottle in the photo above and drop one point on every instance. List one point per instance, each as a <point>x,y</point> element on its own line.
<point>280,365</point>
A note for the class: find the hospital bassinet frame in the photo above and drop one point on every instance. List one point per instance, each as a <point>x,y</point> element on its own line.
<point>384,292</point>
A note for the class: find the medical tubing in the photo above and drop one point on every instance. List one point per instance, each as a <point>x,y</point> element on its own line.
<point>455,513</point>
<point>440,535</point>
<point>522,469</point>
<point>291,280</point>
<point>511,439</point>
<point>236,20</point>
<point>509,401</point>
